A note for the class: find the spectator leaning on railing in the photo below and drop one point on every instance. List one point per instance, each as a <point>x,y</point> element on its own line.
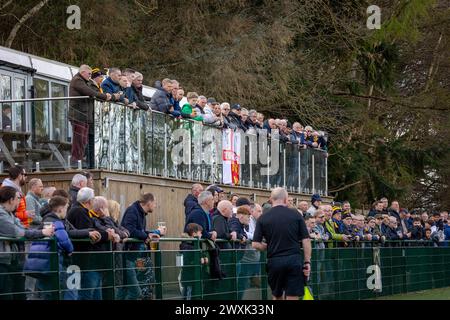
<point>11,262</point>
<point>200,215</point>
<point>220,221</point>
<point>136,94</point>
<point>81,112</point>
<point>161,98</point>
<point>111,85</point>
<point>82,216</point>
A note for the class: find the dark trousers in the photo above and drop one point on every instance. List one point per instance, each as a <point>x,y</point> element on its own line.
<point>80,139</point>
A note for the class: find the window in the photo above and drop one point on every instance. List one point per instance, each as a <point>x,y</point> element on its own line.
<point>5,94</point>
<point>19,107</point>
<point>59,112</point>
<point>40,109</point>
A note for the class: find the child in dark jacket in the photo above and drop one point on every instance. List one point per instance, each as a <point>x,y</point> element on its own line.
<point>190,281</point>
<point>417,230</point>
<point>39,259</point>
<point>237,224</point>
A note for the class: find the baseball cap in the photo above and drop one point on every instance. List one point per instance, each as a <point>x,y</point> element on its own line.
<point>242,202</point>
<point>236,106</point>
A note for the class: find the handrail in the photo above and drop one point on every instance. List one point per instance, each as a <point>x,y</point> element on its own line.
<point>171,239</point>
<point>43,99</point>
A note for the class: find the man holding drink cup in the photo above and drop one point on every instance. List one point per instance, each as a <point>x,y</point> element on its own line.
<point>134,220</point>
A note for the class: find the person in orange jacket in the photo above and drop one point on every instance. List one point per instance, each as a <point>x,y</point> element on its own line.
<point>18,178</point>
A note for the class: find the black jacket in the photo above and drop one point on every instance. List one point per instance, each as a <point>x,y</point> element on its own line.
<point>81,218</point>
<point>108,222</point>
<point>71,230</point>
<point>417,233</point>
<point>45,210</point>
<point>235,119</point>
<point>395,214</point>
<point>73,192</point>
<point>189,203</point>
<point>220,225</point>
<point>236,225</point>
<point>200,217</point>
<point>139,98</point>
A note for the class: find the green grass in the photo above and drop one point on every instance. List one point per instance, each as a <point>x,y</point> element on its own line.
<point>433,294</point>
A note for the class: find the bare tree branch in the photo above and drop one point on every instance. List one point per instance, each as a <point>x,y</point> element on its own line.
<point>345,187</point>
<point>22,20</point>
<point>7,3</point>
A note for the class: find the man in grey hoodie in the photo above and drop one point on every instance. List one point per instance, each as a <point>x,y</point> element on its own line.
<point>12,282</point>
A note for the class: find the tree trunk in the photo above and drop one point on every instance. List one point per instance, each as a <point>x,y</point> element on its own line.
<point>22,20</point>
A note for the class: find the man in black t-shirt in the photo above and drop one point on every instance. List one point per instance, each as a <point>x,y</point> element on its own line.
<point>283,229</point>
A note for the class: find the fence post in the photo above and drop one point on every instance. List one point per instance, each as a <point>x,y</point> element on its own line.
<point>158,274</point>
<point>313,189</point>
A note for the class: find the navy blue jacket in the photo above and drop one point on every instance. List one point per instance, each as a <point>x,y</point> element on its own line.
<point>236,225</point>
<point>111,87</point>
<point>447,232</point>
<point>391,234</point>
<point>38,260</point>
<point>134,221</point>
<point>189,203</point>
<point>395,214</point>
<point>297,138</point>
<point>202,218</point>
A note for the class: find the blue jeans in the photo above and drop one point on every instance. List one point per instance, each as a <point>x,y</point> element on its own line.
<point>131,289</point>
<point>91,286</point>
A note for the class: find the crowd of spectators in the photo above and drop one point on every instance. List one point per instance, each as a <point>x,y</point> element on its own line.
<point>210,213</point>
<point>383,222</point>
<point>125,86</point>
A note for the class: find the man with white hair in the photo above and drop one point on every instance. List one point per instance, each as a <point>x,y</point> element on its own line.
<point>302,208</point>
<point>78,181</point>
<point>81,216</point>
<point>136,95</point>
<point>47,194</point>
<point>100,207</point>
<point>200,215</point>
<point>220,220</point>
<point>81,111</point>
<point>283,229</point>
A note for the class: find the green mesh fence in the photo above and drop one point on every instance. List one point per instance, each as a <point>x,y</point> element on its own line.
<point>349,271</point>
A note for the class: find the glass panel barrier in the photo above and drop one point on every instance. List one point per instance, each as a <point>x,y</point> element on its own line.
<point>117,140</point>
<point>306,171</point>
<point>132,142</point>
<point>158,143</point>
<point>146,136</point>
<point>144,142</point>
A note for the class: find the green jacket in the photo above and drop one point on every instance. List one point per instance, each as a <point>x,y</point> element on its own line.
<point>332,228</point>
<point>187,108</point>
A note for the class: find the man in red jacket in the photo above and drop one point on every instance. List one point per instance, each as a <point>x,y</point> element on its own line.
<point>18,178</point>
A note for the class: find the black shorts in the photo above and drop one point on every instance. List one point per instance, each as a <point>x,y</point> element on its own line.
<point>285,274</point>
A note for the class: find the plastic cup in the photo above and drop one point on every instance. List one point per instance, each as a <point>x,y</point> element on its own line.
<point>48,225</point>
<point>161,224</point>
<point>154,243</point>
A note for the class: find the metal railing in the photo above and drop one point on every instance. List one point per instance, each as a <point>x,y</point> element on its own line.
<point>40,137</point>
<point>365,271</point>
